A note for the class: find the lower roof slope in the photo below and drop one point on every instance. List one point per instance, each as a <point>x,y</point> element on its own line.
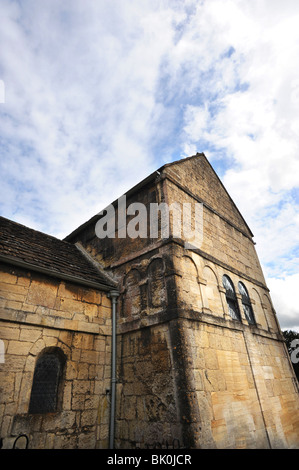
<point>23,246</point>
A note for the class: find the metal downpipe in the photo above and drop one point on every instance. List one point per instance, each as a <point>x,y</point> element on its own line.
<point>113,295</point>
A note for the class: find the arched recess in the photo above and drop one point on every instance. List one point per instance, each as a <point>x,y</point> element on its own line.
<point>211,294</point>
<point>40,345</point>
<point>156,283</point>
<point>246,303</point>
<point>258,309</point>
<point>46,390</point>
<point>268,309</point>
<point>131,304</point>
<point>189,291</point>
<point>231,298</point>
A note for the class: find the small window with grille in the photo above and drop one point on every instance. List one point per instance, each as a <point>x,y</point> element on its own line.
<point>247,308</point>
<point>231,298</point>
<point>46,382</point>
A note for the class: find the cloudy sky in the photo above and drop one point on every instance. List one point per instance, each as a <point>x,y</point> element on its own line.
<point>97,94</point>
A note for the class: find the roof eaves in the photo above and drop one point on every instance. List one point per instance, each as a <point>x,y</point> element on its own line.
<point>56,274</point>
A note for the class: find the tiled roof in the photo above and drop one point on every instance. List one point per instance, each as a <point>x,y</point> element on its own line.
<point>22,245</point>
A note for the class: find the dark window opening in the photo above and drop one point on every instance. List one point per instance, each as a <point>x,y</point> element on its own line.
<point>46,380</point>
<point>247,308</point>
<point>231,298</point>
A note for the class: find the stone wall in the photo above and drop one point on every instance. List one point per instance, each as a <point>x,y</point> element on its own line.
<point>148,401</point>
<point>200,288</point>
<point>147,407</point>
<point>244,387</point>
<point>221,241</point>
<point>197,177</point>
<point>242,390</point>
<point>38,313</point>
<point>228,383</point>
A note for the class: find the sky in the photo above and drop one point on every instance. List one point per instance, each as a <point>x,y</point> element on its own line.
<point>97,94</point>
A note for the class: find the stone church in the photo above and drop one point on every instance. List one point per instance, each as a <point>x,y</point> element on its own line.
<point>144,341</point>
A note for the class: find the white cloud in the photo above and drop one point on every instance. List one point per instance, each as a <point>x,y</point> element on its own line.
<point>99,94</point>
<point>80,109</point>
<point>285,299</point>
<point>248,113</point>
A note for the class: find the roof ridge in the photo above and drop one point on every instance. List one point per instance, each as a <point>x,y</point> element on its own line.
<point>181,160</point>
<point>34,230</point>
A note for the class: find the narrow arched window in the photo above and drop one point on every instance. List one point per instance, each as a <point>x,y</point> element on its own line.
<point>46,381</point>
<point>247,308</point>
<point>231,298</point>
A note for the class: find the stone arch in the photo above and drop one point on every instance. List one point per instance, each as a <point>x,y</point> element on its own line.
<point>156,283</point>
<point>189,290</point>
<point>211,293</point>
<point>257,308</point>
<point>42,343</point>
<point>269,313</point>
<point>131,302</point>
<point>189,263</point>
<point>45,342</point>
<point>47,385</point>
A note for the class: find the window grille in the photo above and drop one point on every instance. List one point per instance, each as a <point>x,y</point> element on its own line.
<point>247,308</point>
<point>46,377</point>
<point>231,298</point>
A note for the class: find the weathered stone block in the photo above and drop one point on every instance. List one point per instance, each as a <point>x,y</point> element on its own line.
<point>41,293</point>
<point>81,387</point>
<point>29,334</point>
<point>7,278</point>
<point>19,348</point>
